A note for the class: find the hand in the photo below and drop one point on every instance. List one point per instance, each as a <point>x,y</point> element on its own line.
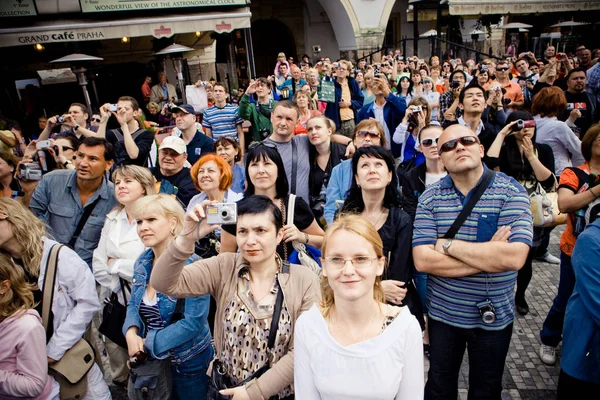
<point>575,113</point>
<point>251,87</point>
<point>528,149</point>
<point>421,119</point>
<point>51,361</point>
<point>52,122</point>
<point>120,116</point>
<point>69,120</point>
<point>529,85</point>
<point>238,393</point>
<point>350,149</point>
<point>104,113</point>
<point>134,342</point>
<point>501,235</point>
<point>394,291</point>
<point>448,115</point>
<point>110,261</point>
<point>195,226</point>
<point>407,114</point>
<point>30,151</point>
<point>291,233</point>
<point>198,83</point>
<point>343,104</point>
<point>507,130</point>
<point>563,57</point>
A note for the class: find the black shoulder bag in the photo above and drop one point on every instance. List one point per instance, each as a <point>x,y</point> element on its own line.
<point>87,211</point>
<point>113,316</point>
<point>218,380</point>
<point>466,211</point>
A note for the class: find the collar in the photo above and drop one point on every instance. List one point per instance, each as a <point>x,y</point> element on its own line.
<point>447,182</point>
<point>376,107</point>
<point>244,269</point>
<point>479,129</point>
<point>102,189</point>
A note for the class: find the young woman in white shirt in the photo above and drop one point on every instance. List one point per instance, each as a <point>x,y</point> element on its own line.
<point>378,345</point>
<point>117,250</point>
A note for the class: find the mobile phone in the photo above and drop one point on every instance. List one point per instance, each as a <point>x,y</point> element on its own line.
<point>112,108</point>
<point>42,144</point>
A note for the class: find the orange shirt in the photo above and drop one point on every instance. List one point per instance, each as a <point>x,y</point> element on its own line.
<point>568,179</point>
<point>300,129</point>
<point>513,91</point>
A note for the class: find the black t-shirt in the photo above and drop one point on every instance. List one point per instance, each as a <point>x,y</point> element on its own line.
<point>198,146</point>
<point>143,140</point>
<point>182,180</point>
<point>303,218</point>
<point>575,100</point>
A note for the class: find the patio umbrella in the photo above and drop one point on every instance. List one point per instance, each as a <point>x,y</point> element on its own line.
<point>569,24</point>
<point>175,49</point>
<point>75,60</point>
<point>431,32</point>
<point>515,25</point>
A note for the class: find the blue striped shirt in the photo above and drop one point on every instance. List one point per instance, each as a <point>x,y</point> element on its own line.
<point>453,300</point>
<point>222,121</point>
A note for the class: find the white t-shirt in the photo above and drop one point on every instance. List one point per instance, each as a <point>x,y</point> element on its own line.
<point>433,178</point>
<point>389,366</point>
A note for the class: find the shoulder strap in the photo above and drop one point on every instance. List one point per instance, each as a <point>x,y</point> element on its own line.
<point>87,211</point>
<point>294,166</point>
<point>582,176</point>
<point>118,135</point>
<point>48,289</point>
<point>291,205</point>
<point>285,267</point>
<point>466,211</point>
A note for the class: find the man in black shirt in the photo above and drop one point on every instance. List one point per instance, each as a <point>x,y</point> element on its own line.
<point>197,143</point>
<point>174,178</point>
<point>582,110</point>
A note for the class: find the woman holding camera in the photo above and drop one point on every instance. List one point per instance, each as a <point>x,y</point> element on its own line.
<point>265,172</point>
<point>117,250</point>
<point>353,345</point>
<point>415,118</point>
<point>516,153</point>
<point>75,300</point>
<point>23,360</point>
<point>161,327</point>
<point>375,197</point>
<point>251,288</point>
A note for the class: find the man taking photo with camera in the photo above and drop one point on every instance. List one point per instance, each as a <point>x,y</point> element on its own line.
<point>449,110</point>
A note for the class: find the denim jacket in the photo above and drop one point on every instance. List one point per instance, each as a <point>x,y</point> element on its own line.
<point>184,339</point>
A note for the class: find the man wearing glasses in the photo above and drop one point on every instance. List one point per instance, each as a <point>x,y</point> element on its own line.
<point>472,274</point>
<point>513,90</point>
<point>348,100</point>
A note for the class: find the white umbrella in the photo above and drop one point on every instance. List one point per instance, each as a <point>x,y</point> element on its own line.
<point>515,25</point>
<point>523,30</point>
<point>174,48</point>
<point>76,57</point>
<point>569,24</point>
<point>431,32</point>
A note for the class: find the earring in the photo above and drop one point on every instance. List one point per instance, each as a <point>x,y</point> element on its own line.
<point>172,231</point>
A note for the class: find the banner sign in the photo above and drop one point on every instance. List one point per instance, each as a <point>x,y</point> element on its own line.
<point>17,8</point>
<point>89,6</point>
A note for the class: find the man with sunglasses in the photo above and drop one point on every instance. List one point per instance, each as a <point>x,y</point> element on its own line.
<point>472,275</point>
<point>513,90</point>
<point>75,122</point>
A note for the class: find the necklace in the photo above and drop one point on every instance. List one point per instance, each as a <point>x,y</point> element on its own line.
<point>378,218</point>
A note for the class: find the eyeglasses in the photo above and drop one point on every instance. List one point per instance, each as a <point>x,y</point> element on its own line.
<point>254,145</point>
<point>372,135</point>
<point>502,69</point>
<point>96,120</point>
<point>357,262</point>
<point>451,144</point>
<point>428,142</point>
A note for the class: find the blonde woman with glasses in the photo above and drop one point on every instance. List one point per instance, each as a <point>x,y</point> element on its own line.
<point>378,345</point>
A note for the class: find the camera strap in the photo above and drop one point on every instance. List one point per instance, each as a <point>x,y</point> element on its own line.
<point>466,211</point>
<point>87,211</point>
<point>294,166</point>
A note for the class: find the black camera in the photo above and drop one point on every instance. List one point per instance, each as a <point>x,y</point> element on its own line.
<point>506,101</point>
<point>138,359</point>
<point>487,311</point>
<point>376,70</point>
<point>60,120</point>
<point>454,85</point>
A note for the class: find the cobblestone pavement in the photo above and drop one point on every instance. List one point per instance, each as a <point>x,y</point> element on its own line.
<point>525,376</point>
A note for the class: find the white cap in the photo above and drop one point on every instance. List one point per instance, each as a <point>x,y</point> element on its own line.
<point>174,143</point>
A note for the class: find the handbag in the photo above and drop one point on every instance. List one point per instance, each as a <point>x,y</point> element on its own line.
<point>544,207</point>
<point>150,380</point>
<point>113,316</point>
<point>219,380</point>
<point>306,254</point>
<point>326,91</point>
<point>71,370</point>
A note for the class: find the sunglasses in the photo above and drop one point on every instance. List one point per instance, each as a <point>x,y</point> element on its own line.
<point>502,69</point>
<point>254,145</point>
<point>96,120</point>
<point>372,135</point>
<point>451,144</point>
<point>428,142</point>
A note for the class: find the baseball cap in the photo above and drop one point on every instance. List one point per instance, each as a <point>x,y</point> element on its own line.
<point>174,143</point>
<point>184,108</point>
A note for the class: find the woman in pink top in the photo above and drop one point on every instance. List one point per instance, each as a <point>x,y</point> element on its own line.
<point>23,360</point>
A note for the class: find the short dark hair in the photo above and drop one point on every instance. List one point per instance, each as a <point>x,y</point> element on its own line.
<point>83,107</point>
<point>288,104</point>
<point>472,85</point>
<point>134,103</point>
<point>265,82</point>
<point>220,84</point>
<point>574,70</point>
<point>263,152</point>
<point>109,150</point>
<point>259,204</point>
<point>458,71</point>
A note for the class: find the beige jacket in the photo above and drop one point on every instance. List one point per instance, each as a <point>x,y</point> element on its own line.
<point>218,276</point>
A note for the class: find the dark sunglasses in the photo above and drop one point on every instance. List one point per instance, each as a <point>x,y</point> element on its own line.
<point>372,135</point>
<point>254,145</point>
<point>502,69</point>
<point>451,144</point>
<point>96,120</point>
<point>428,142</point>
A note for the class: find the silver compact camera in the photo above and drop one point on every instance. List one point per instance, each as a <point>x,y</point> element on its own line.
<point>416,109</point>
<point>221,214</point>
<point>487,311</point>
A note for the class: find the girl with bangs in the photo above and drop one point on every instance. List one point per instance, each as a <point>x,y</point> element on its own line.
<point>378,345</point>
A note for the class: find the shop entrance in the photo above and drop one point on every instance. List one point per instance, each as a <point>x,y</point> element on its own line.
<point>269,37</point>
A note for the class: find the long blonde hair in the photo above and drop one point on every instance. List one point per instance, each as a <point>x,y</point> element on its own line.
<point>355,224</point>
<point>28,230</point>
<point>20,295</point>
<point>140,174</point>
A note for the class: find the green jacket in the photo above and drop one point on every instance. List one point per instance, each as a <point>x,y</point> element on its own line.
<point>261,124</point>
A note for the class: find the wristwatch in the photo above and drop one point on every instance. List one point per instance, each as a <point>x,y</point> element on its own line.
<point>446,246</point>
<point>76,127</point>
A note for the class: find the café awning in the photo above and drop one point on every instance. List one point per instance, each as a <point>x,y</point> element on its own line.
<point>164,26</point>
<point>476,7</point>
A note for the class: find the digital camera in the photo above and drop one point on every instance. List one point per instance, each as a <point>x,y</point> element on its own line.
<point>60,119</point>
<point>30,172</point>
<point>416,109</point>
<point>454,85</point>
<point>523,124</point>
<point>487,311</point>
<point>221,214</point>
<point>112,108</point>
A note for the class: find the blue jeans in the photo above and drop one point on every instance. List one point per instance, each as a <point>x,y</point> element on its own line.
<point>487,354</point>
<point>551,333</point>
<point>420,279</point>
<point>189,378</point>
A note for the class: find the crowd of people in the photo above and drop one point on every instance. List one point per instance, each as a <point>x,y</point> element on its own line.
<point>318,237</point>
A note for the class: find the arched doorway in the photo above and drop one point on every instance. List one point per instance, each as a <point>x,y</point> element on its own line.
<point>269,37</point>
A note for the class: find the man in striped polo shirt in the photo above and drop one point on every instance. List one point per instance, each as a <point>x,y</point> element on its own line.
<point>471,282</point>
<point>223,119</point>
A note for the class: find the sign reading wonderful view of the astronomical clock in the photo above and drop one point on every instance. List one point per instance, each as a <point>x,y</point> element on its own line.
<point>17,8</point>
<point>135,5</point>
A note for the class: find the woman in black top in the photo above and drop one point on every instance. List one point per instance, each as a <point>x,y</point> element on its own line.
<point>375,197</point>
<point>265,175</point>
<point>518,155</point>
<point>324,155</point>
